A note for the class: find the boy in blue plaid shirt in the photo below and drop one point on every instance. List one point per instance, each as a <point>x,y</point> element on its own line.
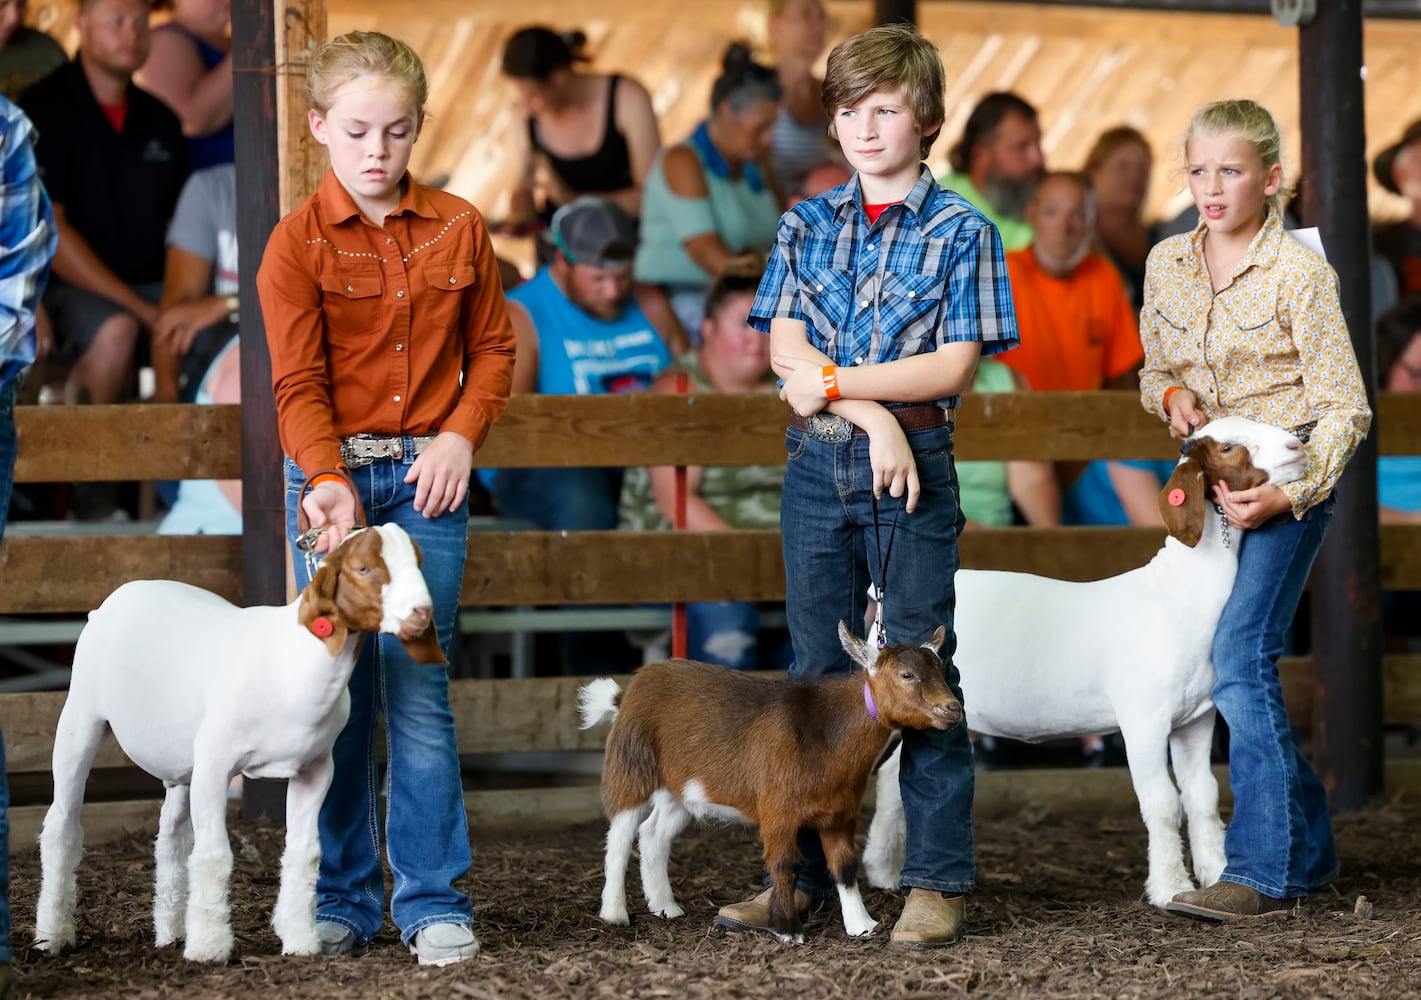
<point>879,298</point>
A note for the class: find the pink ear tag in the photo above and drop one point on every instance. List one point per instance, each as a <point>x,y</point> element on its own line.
<point>322,627</point>
<point>1176,498</point>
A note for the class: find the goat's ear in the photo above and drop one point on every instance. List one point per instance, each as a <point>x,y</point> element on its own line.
<point>1182,502</point>
<point>935,643</point>
<point>419,561</point>
<point>859,651</point>
<point>318,600</point>
<point>424,648</point>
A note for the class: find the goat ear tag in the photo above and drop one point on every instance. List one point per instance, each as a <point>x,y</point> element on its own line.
<point>1176,499</point>
<point>321,627</point>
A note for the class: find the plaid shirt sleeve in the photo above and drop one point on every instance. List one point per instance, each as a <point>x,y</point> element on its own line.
<point>979,302</point>
<point>27,240</point>
<point>778,295</point>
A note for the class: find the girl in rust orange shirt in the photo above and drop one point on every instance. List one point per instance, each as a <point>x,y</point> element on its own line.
<point>391,357</point>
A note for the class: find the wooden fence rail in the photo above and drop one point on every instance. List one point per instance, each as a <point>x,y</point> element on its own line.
<point>72,574</point>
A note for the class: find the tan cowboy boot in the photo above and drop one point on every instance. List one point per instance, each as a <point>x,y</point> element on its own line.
<point>929,920</point>
<point>1224,902</point>
<point>754,914</point>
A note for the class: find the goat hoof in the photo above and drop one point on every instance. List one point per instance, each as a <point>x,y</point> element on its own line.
<point>789,938</point>
<point>617,918</point>
<point>54,943</point>
<point>669,912</point>
<point>861,931</point>
<point>215,952</point>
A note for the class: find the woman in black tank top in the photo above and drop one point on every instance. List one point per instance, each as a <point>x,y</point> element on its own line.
<point>566,109</point>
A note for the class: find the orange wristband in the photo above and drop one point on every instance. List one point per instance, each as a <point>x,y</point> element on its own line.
<point>1167,393</point>
<point>831,382</point>
<point>328,477</point>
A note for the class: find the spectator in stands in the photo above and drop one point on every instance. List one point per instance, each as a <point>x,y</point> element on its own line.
<point>587,133</point>
<point>197,332</point>
<point>816,179</point>
<point>199,304</point>
<point>733,357</point>
<point>27,54</point>
<point>189,68</point>
<point>1399,476</point>
<point>1119,166</point>
<point>114,160</point>
<point>27,240</point>
<point>582,330</point>
<point>707,199</point>
<point>998,162</point>
<point>1398,169</point>
<point>796,30</point>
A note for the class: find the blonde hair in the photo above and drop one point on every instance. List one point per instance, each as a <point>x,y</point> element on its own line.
<point>362,53</point>
<point>888,57</point>
<point>1249,121</point>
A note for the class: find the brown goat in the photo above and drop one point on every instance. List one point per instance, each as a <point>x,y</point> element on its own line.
<point>692,740</point>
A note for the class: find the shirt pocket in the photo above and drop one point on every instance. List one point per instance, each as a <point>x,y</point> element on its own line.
<point>447,280</point>
<point>825,295</point>
<point>908,308</point>
<point>1260,319</point>
<point>351,302</point>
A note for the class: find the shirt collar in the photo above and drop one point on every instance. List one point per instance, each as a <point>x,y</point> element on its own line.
<point>1262,251</point>
<point>717,164</point>
<point>849,197</point>
<point>337,206</point>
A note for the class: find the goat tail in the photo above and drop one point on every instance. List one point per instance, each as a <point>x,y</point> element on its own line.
<point>598,701</point>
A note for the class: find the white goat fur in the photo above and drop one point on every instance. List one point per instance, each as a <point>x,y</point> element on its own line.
<point>197,691</point>
<point>1044,659</point>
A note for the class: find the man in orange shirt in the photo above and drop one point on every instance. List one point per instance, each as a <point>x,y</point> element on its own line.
<point>1077,329</point>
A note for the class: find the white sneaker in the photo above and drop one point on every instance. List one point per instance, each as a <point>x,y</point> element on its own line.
<point>444,944</point>
<point>337,939</point>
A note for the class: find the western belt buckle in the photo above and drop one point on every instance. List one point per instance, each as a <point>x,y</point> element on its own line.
<point>829,427</point>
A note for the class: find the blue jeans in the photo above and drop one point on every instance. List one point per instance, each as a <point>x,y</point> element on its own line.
<point>728,633</point>
<point>831,553</point>
<point>426,831</point>
<point>560,499</point>
<point>9,447</point>
<point>1279,841</point>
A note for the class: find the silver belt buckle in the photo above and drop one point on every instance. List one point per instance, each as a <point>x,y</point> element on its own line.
<point>829,427</point>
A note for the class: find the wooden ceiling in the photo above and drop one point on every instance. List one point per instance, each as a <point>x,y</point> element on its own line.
<point>1086,69</point>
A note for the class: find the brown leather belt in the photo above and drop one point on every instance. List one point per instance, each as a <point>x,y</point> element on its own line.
<point>911,418</point>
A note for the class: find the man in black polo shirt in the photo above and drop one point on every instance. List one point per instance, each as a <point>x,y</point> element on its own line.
<point>114,160</point>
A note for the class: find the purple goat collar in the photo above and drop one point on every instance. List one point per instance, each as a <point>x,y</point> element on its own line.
<point>869,703</point>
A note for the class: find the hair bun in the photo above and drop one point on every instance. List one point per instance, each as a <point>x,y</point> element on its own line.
<point>576,41</point>
<point>737,57</point>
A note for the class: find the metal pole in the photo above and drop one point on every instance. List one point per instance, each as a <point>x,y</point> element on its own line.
<point>1347,737</point>
<point>263,514</point>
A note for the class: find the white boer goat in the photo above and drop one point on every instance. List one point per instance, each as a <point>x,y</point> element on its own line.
<point>1132,653</point>
<point>692,740</point>
<point>197,691</point>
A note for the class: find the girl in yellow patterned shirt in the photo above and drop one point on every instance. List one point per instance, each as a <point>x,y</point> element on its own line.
<point>1241,319</point>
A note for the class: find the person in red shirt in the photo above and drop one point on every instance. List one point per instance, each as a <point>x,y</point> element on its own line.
<point>391,356</point>
<point>1077,329</point>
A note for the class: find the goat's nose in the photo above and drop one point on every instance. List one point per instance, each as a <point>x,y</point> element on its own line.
<point>416,622</point>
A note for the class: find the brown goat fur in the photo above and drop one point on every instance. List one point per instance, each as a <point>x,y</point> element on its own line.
<point>692,739</point>
<point>1207,461</point>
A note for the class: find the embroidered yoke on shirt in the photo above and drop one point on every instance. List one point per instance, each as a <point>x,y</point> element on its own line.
<point>399,329</point>
<point>1270,345</point>
<point>929,272</point>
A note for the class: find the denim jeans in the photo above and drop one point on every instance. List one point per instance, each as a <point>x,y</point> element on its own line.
<point>728,633</point>
<point>1279,841</point>
<point>426,831</point>
<point>560,499</point>
<point>9,446</point>
<point>831,553</point>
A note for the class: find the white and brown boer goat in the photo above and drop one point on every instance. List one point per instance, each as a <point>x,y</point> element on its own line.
<point>197,691</point>
<point>1044,659</point>
<point>692,740</point>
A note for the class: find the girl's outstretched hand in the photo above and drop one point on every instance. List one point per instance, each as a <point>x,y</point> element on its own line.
<point>442,474</point>
<point>1185,414</point>
<point>331,506</point>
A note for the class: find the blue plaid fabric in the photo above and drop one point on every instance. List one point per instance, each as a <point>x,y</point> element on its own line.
<point>27,240</point>
<point>930,271</point>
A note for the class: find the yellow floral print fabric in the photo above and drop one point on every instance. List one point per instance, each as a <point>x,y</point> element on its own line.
<point>1270,345</point>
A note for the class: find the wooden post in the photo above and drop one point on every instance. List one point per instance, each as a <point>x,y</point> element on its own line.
<point>1346,599</point>
<point>303,160</point>
<point>263,487</point>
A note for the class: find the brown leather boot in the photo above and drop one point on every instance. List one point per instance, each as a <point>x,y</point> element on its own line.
<point>929,920</point>
<point>1224,902</point>
<point>754,914</point>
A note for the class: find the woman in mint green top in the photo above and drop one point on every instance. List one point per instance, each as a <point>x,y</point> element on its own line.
<point>707,199</point>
